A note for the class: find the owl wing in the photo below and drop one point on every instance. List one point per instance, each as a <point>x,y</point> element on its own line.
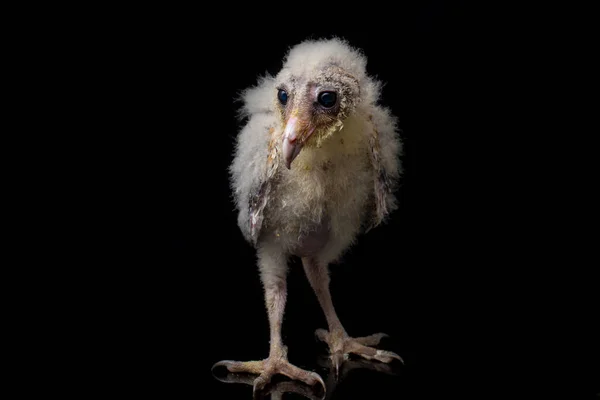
<point>385,149</point>
<point>255,158</point>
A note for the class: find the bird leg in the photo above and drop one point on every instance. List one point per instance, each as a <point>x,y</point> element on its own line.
<point>340,344</point>
<point>273,276</point>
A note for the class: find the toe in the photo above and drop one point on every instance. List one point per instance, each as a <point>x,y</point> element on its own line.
<point>322,335</point>
<point>371,353</point>
<point>251,367</point>
<point>387,356</point>
<point>371,340</point>
<point>293,372</point>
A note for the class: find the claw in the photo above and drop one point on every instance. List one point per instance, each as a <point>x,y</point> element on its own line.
<point>320,380</point>
<point>387,356</point>
<point>259,385</point>
<point>257,393</point>
<point>224,363</point>
<point>337,359</point>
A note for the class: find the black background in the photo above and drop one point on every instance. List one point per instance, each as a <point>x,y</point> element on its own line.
<point>452,278</point>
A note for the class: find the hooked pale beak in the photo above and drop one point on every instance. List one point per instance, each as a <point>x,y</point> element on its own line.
<point>295,135</point>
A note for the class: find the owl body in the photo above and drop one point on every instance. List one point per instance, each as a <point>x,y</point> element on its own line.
<point>342,180</point>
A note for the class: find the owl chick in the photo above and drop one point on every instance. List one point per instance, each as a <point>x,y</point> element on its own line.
<point>316,164</point>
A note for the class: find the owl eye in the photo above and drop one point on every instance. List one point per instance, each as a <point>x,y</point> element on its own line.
<point>327,99</point>
<point>282,96</point>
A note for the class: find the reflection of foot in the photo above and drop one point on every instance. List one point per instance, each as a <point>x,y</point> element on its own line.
<point>266,369</point>
<point>276,390</point>
<point>353,364</point>
<point>341,345</point>
<point>336,377</point>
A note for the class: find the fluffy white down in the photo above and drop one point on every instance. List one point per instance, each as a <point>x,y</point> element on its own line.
<point>335,182</point>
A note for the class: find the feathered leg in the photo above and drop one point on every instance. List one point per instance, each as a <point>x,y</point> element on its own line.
<point>340,344</point>
<point>273,269</point>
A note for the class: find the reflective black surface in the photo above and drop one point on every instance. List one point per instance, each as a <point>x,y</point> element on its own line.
<point>333,380</point>
<point>460,277</point>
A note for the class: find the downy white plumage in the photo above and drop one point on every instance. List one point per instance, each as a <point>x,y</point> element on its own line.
<point>316,164</point>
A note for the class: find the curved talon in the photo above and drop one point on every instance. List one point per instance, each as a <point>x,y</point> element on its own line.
<point>387,356</point>
<point>320,380</point>
<point>337,359</point>
<point>257,393</point>
<point>223,363</point>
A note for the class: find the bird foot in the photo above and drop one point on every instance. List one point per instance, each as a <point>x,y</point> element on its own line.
<point>266,369</point>
<point>341,346</point>
<point>276,389</point>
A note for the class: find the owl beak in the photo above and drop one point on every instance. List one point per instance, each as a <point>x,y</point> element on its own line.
<point>294,136</point>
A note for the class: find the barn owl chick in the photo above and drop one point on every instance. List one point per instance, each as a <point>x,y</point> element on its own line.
<point>315,165</point>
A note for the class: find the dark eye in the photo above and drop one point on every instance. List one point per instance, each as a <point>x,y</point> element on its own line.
<point>282,96</point>
<point>327,99</point>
